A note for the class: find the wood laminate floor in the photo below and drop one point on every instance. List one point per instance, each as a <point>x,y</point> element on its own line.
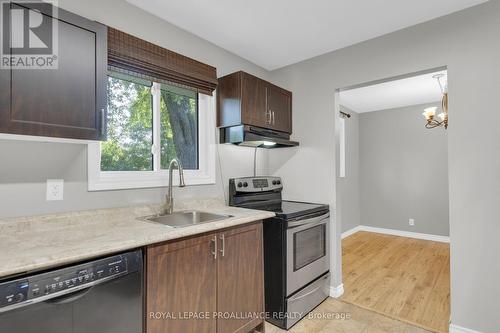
<point>403,278</point>
<point>335,316</point>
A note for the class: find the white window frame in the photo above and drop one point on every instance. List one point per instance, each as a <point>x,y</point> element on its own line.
<point>205,174</point>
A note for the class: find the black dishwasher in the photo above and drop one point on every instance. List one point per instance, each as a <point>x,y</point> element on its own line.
<point>100,296</point>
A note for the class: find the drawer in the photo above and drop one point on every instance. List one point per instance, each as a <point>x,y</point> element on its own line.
<point>307,299</point>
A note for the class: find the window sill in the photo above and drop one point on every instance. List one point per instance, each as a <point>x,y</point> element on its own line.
<point>146,179</point>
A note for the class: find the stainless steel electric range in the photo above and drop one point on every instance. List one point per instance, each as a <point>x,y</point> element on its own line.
<point>296,248</point>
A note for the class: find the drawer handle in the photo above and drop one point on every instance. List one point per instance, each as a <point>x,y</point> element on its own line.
<point>306,294</point>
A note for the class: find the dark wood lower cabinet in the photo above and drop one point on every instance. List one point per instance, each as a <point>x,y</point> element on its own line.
<point>207,284</point>
<point>181,278</point>
<point>240,282</point>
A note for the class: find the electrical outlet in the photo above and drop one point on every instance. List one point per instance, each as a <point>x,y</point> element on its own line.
<point>55,189</point>
<point>411,222</point>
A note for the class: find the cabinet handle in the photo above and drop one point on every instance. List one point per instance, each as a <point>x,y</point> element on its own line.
<point>269,116</point>
<point>223,245</point>
<point>103,122</point>
<point>214,252</point>
<point>274,119</point>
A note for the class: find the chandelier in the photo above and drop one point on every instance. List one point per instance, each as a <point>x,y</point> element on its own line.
<point>430,113</point>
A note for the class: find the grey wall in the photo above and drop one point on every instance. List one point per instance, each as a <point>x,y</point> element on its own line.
<point>25,166</point>
<point>403,171</point>
<point>349,186</point>
<point>466,42</point>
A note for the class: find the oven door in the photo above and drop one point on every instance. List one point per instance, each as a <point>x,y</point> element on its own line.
<point>307,251</point>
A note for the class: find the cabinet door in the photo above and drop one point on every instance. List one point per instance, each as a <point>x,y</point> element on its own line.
<point>253,101</point>
<point>181,278</point>
<point>279,105</point>
<point>240,278</point>
<point>68,101</point>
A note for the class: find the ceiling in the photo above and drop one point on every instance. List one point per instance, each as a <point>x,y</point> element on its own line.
<point>276,33</point>
<point>415,90</point>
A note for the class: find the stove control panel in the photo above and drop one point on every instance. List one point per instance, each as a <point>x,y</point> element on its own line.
<point>255,184</point>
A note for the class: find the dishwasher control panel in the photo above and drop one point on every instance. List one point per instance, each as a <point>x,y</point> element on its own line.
<point>62,281</point>
<point>79,276</point>
<point>13,292</point>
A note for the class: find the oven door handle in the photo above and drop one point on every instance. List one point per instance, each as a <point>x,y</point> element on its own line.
<point>299,223</point>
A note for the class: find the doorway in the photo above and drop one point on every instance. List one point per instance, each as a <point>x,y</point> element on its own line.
<point>392,197</point>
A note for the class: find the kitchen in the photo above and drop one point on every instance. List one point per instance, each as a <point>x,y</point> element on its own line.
<point>102,214</point>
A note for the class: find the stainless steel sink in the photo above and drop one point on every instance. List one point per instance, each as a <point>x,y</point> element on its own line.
<point>186,218</point>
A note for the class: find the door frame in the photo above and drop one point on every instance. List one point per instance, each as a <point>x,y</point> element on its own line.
<point>336,284</point>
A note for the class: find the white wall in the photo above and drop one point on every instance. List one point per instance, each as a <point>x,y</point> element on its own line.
<point>467,42</point>
<point>25,166</point>
<point>403,171</point>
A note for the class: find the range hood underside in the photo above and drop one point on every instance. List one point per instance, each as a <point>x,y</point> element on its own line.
<point>251,136</point>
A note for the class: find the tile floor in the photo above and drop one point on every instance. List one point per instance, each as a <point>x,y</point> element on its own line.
<point>357,320</point>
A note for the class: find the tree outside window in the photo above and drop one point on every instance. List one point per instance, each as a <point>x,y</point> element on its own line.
<point>131,126</point>
<point>179,127</point>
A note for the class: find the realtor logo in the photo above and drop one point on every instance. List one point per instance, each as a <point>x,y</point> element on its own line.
<point>29,35</point>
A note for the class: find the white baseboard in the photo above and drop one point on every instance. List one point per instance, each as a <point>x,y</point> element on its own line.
<point>336,292</point>
<point>351,231</point>
<point>409,234</point>
<point>459,329</point>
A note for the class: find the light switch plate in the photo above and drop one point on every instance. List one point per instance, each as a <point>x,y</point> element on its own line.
<point>55,189</point>
<point>411,222</point>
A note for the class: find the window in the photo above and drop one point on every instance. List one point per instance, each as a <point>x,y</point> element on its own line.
<point>149,124</point>
<point>178,126</point>
<point>129,126</point>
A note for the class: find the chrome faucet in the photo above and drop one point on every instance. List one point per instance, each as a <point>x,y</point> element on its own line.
<point>169,205</point>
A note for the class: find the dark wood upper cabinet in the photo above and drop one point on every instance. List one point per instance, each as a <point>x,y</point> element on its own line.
<point>246,99</point>
<point>279,106</point>
<point>253,101</point>
<point>216,273</point>
<point>66,102</point>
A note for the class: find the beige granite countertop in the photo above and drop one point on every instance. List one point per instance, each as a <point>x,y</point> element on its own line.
<point>40,242</point>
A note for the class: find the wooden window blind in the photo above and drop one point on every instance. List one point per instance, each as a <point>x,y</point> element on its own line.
<point>131,55</point>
